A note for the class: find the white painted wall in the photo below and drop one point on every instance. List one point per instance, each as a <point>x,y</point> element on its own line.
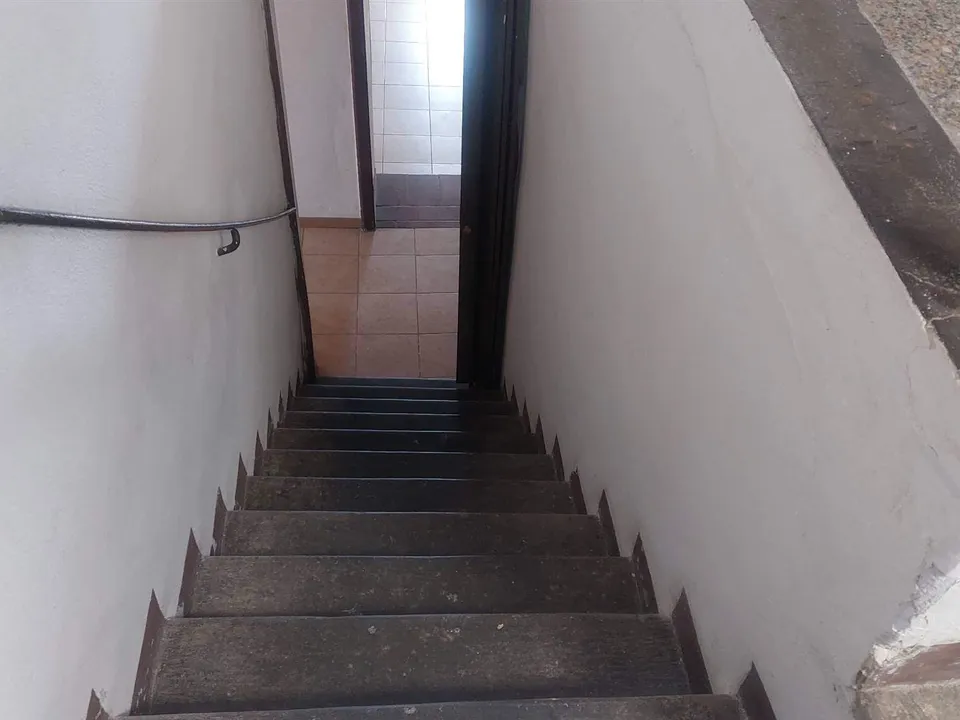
<point>701,314</point>
<point>133,369</point>
<point>318,91</point>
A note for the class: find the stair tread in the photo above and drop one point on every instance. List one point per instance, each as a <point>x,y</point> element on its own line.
<point>395,405</point>
<point>403,440</point>
<point>384,382</point>
<point>261,586</point>
<point>394,464</point>
<point>294,662</point>
<point>350,420</point>
<point>358,533</point>
<point>690,707</point>
<point>400,392</point>
<point>407,495</point>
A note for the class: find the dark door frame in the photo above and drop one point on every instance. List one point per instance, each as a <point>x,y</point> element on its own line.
<point>494,102</point>
<point>357,29</point>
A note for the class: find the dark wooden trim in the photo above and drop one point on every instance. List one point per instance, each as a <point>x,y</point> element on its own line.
<point>220,521</point>
<point>149,655</point>
<point>686,630</point>
<point>606,522</point>
<point>576,489</point>
<point>191,564</point>
<point>240,493</point>
<point>641,569</point>
<point>95,709</point>
<point>538,432</point>
<point>557,457</point>
<point>286,161</point>
<point>361,111</point>
<point>495,70</point>
<point>309,223</point>
<point>753,697</point>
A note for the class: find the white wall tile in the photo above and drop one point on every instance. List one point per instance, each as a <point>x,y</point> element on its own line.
<point>405,74</point>
<point>406,97</point>
<point>407,169</point>
<point>406,149</point>
<point>406,32</point>
<point>446,150</point>
<point>446,123</point>
<point>406,122</point>
<point>406,52</point>
<point>446,98</point>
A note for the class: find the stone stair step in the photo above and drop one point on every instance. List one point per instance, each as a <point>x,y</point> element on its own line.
<point>359,495</point>
<point>400,393</point>
<point>400,421</point>
<point>381,405</point>
<point>331,586</point>
<point>350,533</point>
<point>216,664</point>
<point>383,382</point>
<point>390,464</point>
<point>404,441</point>
<point>691,707</point>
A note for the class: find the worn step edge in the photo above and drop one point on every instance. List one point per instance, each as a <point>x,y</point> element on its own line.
<point>455,441</point>
<point>292,532</point>
<point>318,419</point>
<point>407,495</point>
<point>401,405</point>
<point>258,663</point>
<point>669,707</point>
<point>401,393</point>
<point>399,464</point>
<point>384,382</point>
<point>374,585</point>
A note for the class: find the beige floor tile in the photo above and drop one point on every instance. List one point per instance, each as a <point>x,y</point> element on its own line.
<point>387,356</point>
<point>333,313</point>
<point>331,273</point>
<point>388,274</point>
<point>437,312</point>
<point>438,356</point>
<point>387,315</point>
<point>438,241</point>
<point>388,242</point>
<point>336,355</point>
<point>330,241</point>
<point>438,274</point>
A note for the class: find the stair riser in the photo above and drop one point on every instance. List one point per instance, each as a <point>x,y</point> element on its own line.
<point>304,586</point>
<point>341,464</point>
<point>400,421</point>
<point>280,663</point>
<point>292,533</point>
<point>514,443</point>
<point>432,407</point>
<point>407,496</point>
<point>636,708</point>
<point>382,382</point>
<point>400,393</point>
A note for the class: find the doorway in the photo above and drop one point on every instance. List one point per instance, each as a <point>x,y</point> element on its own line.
<point>438,89</point>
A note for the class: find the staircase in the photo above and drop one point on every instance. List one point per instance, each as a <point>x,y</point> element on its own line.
<point>407,550</point>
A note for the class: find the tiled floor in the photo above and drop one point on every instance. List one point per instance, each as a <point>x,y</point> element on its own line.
<point>383,304</point>
<point>417,85</point>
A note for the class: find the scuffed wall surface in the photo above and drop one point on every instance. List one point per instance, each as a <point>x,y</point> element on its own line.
<point>133,368</point>
<point>700,312</point>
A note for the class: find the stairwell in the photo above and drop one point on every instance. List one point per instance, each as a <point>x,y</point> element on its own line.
<point>406,549</point>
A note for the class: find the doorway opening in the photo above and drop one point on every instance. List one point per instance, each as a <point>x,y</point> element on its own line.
<point>416,100</point>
